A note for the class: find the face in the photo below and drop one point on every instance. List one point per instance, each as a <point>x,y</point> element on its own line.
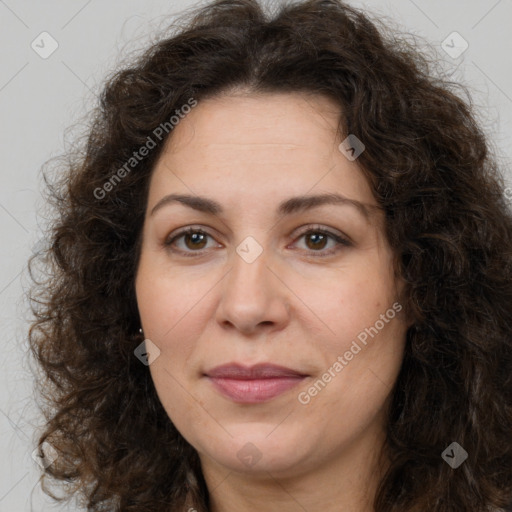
<point>267,284</point>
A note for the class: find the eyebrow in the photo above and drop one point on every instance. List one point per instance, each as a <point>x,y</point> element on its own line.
<point>287,207</point>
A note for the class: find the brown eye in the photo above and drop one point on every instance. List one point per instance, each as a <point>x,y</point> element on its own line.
<point>195,241</point>
<point>191,242</point>
<point>316,241</point>
<point>320,242</point>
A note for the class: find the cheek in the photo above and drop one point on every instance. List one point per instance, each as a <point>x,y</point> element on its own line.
<point>353,300</point>
<point>183,407</point>
<point>171,304</point>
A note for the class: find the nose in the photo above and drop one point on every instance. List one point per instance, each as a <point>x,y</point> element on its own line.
<point>254,299</point>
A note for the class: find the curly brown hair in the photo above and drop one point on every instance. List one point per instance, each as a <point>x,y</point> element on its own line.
<point>448,223</point>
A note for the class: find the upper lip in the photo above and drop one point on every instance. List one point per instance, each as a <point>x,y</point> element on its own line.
<point>258,371</point>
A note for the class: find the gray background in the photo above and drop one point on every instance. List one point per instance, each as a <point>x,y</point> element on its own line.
<point>40,98</point>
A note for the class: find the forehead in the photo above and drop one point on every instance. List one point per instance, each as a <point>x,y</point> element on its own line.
<point>255,111</point>
<point>261,143</point>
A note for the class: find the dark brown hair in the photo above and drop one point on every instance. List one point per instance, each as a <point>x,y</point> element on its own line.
<point>448,224</point>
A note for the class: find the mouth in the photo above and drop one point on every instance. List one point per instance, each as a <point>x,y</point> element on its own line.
<point>255,384</point>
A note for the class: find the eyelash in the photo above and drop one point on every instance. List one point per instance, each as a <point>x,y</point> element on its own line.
<point>311,230</point>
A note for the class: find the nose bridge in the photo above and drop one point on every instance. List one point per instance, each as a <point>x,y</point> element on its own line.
<point>249,268</point>
<point>251,295</point>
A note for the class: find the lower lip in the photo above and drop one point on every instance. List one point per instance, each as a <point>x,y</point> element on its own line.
<point>254,391</point>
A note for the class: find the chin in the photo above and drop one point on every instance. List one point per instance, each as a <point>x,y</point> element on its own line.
<point>254,451</point>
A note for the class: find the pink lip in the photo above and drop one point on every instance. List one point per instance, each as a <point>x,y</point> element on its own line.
<point>254,384</point>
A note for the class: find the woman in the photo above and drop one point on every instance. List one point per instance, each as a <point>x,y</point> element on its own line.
<point>280,279</point>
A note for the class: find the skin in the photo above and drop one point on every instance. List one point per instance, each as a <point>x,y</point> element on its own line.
<point>290,306</point>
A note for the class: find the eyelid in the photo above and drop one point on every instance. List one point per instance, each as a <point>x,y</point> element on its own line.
<point>308,228</point>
